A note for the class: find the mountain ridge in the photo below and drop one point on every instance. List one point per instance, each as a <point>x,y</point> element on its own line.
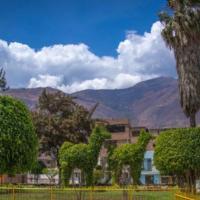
<point>153,103</point>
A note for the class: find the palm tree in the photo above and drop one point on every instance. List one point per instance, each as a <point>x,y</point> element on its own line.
<point>3,82</point>
<point>182,34</point>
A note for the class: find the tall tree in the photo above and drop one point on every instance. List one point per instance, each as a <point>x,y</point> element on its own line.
<point>3,82</point>
<point>58,119</point>
<point>177,153</point>
<point>18,141</point>
<point>182,34</point>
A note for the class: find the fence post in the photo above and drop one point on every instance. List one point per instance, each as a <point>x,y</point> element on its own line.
<point>91,195</point>
<point>13,193</point>
<point>130,194</point>
<point>51,193</point>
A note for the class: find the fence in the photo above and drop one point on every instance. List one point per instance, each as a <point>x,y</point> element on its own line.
<point>99,193</point>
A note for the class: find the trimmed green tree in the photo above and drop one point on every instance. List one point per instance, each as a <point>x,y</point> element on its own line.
<point>37,169</point>
<point>177,153</point>
<point>18,141</point>
<point>131,155</point>
<point>82,156</point>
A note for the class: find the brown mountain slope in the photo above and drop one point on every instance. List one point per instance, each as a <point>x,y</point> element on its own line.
<point>153,103</point>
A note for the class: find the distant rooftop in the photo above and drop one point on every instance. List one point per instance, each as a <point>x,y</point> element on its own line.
<point>115,121</point>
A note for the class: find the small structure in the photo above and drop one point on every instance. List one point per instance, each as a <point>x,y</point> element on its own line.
<point>149,175</point>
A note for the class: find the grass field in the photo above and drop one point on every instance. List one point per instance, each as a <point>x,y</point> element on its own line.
<point>72,195</point>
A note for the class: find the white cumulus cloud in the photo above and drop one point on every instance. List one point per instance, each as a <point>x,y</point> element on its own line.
<point>45,81</point>
<point>73,67</point>
<point>120,81</point>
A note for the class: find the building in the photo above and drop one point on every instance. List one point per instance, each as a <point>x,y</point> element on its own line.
<point>122,133</point>
<point>120,130</point>
<point>19,178</point>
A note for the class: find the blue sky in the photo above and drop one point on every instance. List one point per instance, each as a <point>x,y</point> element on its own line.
<point>101,24</point>
<point>81,44</point>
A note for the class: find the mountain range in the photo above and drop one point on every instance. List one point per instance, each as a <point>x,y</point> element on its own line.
<point>153,103</point>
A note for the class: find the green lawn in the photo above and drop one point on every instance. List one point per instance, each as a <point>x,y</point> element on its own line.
<point>158,195</point>
<point>71,195</point>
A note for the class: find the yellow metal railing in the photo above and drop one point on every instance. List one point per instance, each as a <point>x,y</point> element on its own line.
<point>186,196</point>
<point>182,197</point>
<point>93,193</point>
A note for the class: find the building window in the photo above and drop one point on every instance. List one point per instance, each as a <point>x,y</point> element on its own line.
<point>149,180</point>
<point>149,164</point>
<point>76,175</point>
<point>116,128</point>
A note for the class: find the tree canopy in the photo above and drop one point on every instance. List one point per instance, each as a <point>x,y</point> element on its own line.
<point>131,155</point>
<point>38,167</point>
<point>177,153</point>
<point>182,34</point>
<point>18,141</point>
<point>58,119</point>
<point>82,156</point>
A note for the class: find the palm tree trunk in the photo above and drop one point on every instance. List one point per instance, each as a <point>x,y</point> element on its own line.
<point>193,120</point>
